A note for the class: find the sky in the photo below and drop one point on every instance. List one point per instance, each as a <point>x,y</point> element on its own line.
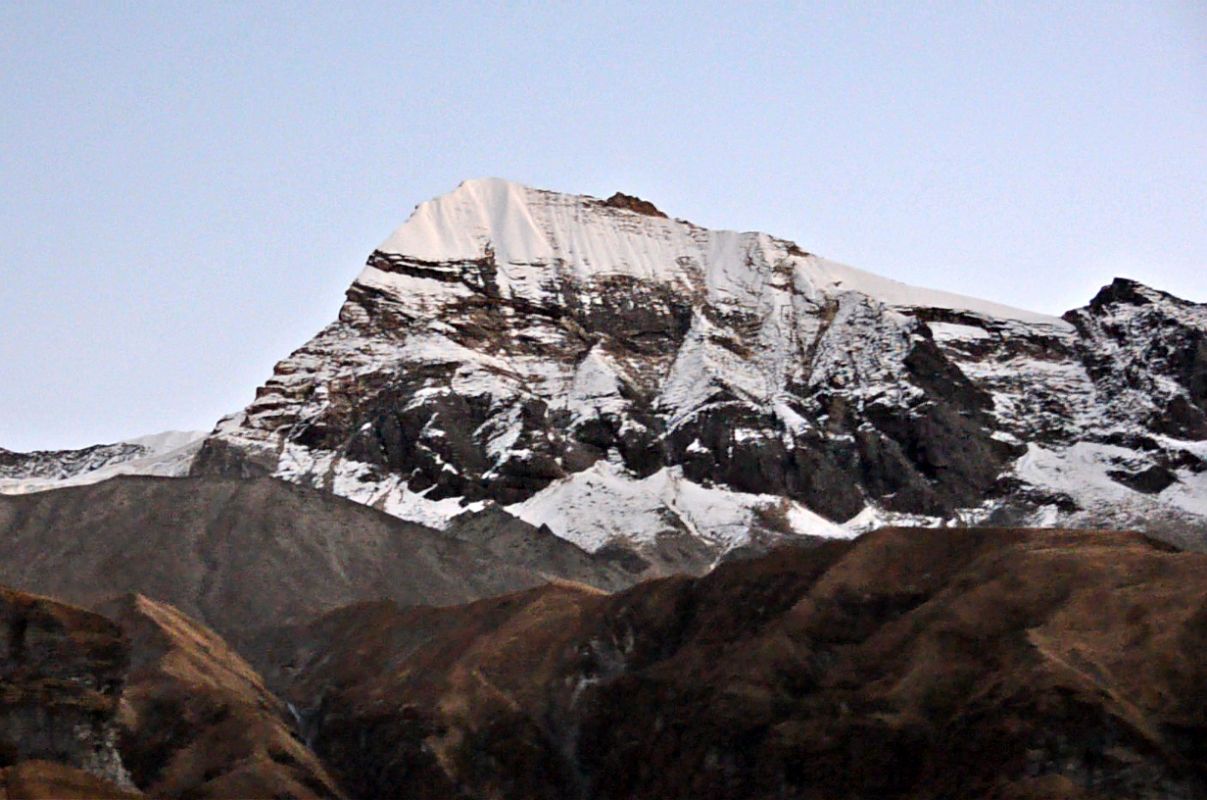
<point>188,189</point>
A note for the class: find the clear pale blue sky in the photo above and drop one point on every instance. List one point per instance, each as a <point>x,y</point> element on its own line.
<point>189,188</point>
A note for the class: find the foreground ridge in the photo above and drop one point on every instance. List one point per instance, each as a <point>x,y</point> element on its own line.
<point>892,666</point>
<point>889,666</point>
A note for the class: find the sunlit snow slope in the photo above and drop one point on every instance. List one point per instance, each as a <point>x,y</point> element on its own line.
<point>168,454</point>
<point>627,378</point>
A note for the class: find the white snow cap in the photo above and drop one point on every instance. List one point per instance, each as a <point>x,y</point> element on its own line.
<point>584,238</point>
<point>459,225</point>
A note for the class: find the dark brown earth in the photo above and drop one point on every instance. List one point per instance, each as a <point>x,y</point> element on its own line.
<point>51,780</point>
<point>905,664</point>
<point>910,663</point>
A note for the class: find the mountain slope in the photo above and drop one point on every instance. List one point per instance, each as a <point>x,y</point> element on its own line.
<point>197,720</point>
<point>638,381</point>
<point>906,664</point>
<point>242,555</point>
<point>168,454</point>
<point>61,675</point>
<point>94,706</point>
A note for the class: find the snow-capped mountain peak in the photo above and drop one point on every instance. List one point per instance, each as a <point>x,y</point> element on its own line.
<point>571,358</point>
<point>536,237</point>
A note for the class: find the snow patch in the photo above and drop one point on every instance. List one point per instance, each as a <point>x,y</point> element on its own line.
<point>945,331</point>
<point>607,503</point>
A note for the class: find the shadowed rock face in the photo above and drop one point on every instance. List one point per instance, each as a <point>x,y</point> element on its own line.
<point>61,674</point>
<point>1142,341</point>
<point>909,663</point>
<point>243,555</point>
<point>514,542</point>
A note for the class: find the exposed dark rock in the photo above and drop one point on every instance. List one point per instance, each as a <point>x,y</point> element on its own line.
<point>62,463</point>
<point>631,203</point>
<point>1134,337</point>
<point>61,675</point>
<point>1122,291</point>
<point>513,541</point>
<point>1152,480</point>
<point>219,458</point>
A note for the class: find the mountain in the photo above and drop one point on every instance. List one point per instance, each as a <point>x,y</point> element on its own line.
<point>245,555</point>
<point>37,779</point>
<point>141,699</point>
<point>640,384</point>
<point>168,454</point>
<point>198,720</point>
<point>907,664</point>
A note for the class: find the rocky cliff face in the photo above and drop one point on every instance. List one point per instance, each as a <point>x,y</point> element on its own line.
<point>142,699</point>
<point>635,381</point>
<point>61,675</point>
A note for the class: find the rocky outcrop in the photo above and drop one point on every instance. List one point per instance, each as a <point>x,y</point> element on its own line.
<point>907,664</point>
<point>634,204</point>
<point>645,385</point>
<point>95,706</point>
<point>61,676</point>
<point>518,544</point>
<point>197,720</point>
<point>1147,350</point>
<point>61,463</point>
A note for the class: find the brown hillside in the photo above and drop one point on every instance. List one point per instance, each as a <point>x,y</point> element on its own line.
<point>909,663</point>
<point>197,720</point>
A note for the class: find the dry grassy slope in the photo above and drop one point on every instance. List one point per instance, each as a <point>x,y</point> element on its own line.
<point>241,555</point>
<point>909,663</point>
<point>94,706</point>
<point>50,780</point>
<point>197,720</point>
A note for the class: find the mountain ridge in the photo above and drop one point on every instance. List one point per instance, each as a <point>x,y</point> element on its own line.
<point>633,380</point>
<point>242,555</point>
<point>166,454</point>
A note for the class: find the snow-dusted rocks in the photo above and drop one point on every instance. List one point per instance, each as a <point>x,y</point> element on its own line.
<point>168,454</point>
<point>626,378</point>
